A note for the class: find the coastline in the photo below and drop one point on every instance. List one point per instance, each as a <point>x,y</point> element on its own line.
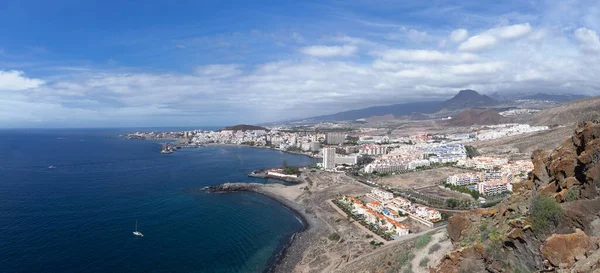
<point>281,261</point>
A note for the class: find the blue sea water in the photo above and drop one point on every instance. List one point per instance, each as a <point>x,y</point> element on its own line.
<point>79,216</point>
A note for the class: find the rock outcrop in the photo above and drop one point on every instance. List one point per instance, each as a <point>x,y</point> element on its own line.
<point>551,222</point>
<point>564,250</point>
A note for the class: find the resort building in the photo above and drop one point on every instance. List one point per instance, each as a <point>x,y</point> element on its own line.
<point>493,187</point>
<point>328,158</point>
<point>463,179</point>
<point>376,206</point>
<point>335,138</point>
<point>380,195</point>
<point>348,160</point>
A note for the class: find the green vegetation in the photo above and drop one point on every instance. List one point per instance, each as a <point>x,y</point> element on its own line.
<point>521,269</point>
<point>463,189</point>
<point>452,203</point>
<point>334,237</point>
<point>424,262</point>
<point>402,261</point>
<point>293,149</point>
<point>471,151</point>
<point>545,213</point>
<point>422,241</point>
<point>491,204</point>
<point>572,195</point>
<point>291,170</point>
<point>376,244</point>
<point>458,204</point>
<point>407,270</point>
<point>434,248</point>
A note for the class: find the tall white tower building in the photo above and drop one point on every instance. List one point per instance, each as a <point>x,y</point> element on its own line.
<point>328,158</point>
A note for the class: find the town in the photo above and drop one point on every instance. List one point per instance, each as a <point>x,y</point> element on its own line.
<point>379,157</point>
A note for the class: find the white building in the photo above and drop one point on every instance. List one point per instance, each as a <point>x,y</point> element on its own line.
<point>348,160</point>
<point>380,195</point>
<point>334,138</point>
<point>463,179</point>
<point>493,187</point>
<point>328,158</point>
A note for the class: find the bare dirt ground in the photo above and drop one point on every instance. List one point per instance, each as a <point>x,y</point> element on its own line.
<point>314,250</point>
<point>421,179</point>
<point>437,191</point>
<point>441,239</point>
<point>521,146</point>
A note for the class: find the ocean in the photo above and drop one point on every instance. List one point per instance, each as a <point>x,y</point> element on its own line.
<point>80,215</point>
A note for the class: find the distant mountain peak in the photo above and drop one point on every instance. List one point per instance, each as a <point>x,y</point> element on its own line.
<point>468,99</point>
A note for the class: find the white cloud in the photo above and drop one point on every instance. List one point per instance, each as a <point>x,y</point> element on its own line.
<point>459,35</point>
<point>219,70</point>
<point>588,39</point>
<point>491,37</point>
<point>511,32</point>
<point>542,58</point>
<point>425,56</point>
<point>478,42</point>
<point>15,80</point>
<point>476,68</point>
<point>329,51</point>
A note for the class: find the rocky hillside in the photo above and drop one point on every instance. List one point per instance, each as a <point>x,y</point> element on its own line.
<point>477,117</point>
<point>569,113</point>
<point>551,223</point>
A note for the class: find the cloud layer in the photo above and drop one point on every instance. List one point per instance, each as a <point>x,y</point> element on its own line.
<point>276,76</point>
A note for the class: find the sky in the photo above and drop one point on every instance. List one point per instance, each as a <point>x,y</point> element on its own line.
<point>75,63</point>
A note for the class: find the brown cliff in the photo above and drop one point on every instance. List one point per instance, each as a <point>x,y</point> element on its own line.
<point>550,223</point>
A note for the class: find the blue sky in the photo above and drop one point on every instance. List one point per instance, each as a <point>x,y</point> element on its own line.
<point>187,63</point>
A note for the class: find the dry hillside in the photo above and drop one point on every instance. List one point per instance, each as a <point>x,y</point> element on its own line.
<point>569,113</point>
<point>550,224</point>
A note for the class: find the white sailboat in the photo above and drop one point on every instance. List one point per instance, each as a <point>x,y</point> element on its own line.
<point>136,232</point>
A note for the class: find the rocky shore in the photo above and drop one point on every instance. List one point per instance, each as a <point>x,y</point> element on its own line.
<point>330,241</point>
<point>287,258</point>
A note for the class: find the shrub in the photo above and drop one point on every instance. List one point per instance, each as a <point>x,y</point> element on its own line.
<point>423,262</point>
<point>404,258</point>
<point>334,237</point>
<point>434,248</point>
<point>545,213</point>
<point>408,270</point>
<point>521,269</point>
<point>423,240</point>
<point>572,195</point>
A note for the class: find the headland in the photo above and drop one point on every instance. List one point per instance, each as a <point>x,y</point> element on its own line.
<point>329,241</point>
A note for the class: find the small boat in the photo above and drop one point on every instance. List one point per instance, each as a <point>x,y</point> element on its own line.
<point>51,167</point>
<point>136,232</point>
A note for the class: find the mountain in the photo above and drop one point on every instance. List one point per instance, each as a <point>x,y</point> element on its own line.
<point>548,224</point>
<point>395,110</point>
<point>472,116</point>
<point>464,99</point>
<point>244,127</point>
<point>569,113</point>
<point>468,99</point>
